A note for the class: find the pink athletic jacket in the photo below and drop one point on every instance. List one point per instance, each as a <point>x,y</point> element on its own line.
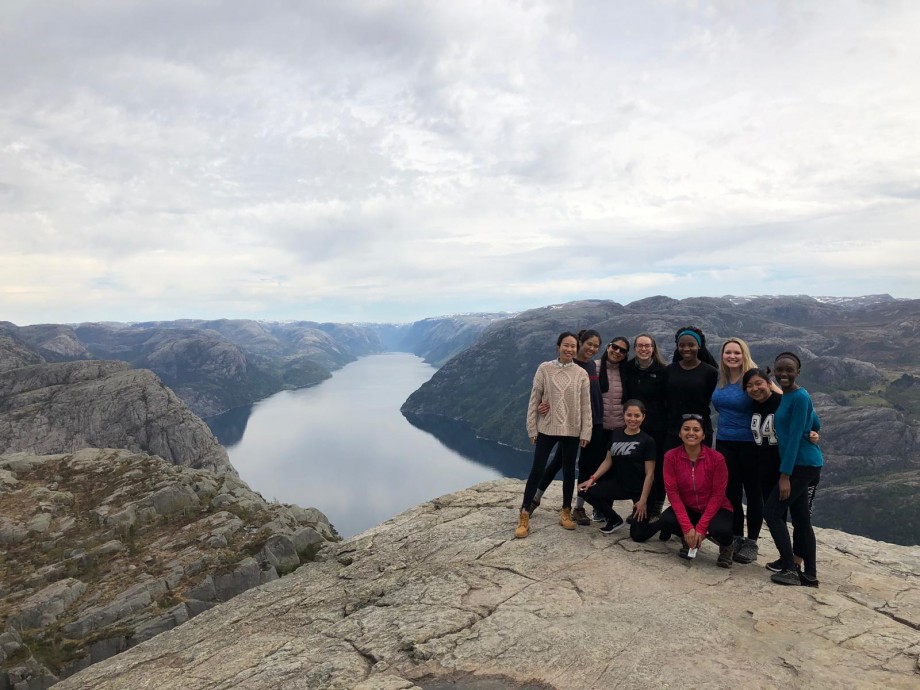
<point>700,487</point>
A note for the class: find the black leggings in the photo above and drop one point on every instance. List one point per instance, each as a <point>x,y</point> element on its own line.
<point>720,527</point>
<point>589,458</point>
<point>769,476</point>
<point>568,449</point>
<point>743,478</point>
<point>604,493</point>
<point>803,477</point>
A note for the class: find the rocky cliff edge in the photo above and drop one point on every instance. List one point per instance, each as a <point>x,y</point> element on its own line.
<point>102,549</point>
<point>60,408</point>
<point>444,591</point>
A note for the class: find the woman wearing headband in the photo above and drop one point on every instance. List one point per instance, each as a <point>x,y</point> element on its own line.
<point>692,378</point>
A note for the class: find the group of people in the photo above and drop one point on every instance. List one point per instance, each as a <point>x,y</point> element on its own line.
<point>639,429</point>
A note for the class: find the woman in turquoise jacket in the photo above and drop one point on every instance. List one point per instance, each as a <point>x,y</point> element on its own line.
<point>800,466</point>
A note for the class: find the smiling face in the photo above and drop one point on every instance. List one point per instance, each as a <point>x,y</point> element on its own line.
<point>786,371</point>
<point>644,349</point>
<point>567,349</point>
<point>758,388</point>
<point>617,350</point>
<point>633,417</point>
<point>589,348</point>
<point>688,348</point>
<point>691,433</point>
<point>732,356</point>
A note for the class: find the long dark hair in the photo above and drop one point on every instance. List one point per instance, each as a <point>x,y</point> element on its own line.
<point>704,354</point>
<point>602,374</point>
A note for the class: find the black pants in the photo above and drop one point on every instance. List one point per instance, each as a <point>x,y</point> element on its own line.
<point>769,476</point>
<point>589,458</point>
<point>657,494</point>
<point>797,504</point>
<point>720,527</point>
<point>604,493</point>
<point>743,480</point>
<point>568,449</point>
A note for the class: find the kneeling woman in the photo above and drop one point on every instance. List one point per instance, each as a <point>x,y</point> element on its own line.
<point>565,386</point>
<point>695,477</point>
<point>626,473</point>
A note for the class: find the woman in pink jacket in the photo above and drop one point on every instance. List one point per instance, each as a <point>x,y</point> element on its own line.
<point>695,477</point>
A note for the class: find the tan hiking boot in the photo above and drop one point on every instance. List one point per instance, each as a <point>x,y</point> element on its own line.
<point>523,528</point>
<point>565,518</point>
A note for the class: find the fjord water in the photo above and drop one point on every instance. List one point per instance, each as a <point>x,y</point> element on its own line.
<point>344,447</point>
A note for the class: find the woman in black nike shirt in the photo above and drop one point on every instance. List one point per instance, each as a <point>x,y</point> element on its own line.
<point>626,473</point>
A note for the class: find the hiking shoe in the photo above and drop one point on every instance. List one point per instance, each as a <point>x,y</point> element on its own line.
<point>523,528</point>
<point>581,517</point>
<point>684,549</point>
<point>775,566</point>
<point>597,516</point>
<point>612,525</point>
<point>786,577</point>
<point>725,556</point>
<point>746,552</point>
<point>565,518</point>
<point>807,580</point>
<point>534,504</point>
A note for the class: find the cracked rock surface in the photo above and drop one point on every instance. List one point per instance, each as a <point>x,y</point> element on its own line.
<point>102,549</point>
<point>444,591</point>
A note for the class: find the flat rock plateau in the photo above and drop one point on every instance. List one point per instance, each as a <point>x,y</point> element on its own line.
<point>444,596</point>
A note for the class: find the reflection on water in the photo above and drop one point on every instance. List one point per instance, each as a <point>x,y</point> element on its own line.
<point>459,437</point>
<point>343,446</point>
<point>230,426</point>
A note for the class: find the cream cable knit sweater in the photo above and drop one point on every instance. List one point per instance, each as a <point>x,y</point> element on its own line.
<point>567,390</point>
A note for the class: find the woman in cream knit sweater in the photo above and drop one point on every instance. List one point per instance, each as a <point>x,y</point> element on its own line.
<point>565,386</point>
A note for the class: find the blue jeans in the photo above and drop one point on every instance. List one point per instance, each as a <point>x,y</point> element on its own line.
<point>797,503</point>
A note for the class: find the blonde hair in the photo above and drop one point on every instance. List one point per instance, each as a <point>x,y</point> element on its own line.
<point>746,362</point>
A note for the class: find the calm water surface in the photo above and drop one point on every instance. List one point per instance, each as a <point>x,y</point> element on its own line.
<point>343,446</point>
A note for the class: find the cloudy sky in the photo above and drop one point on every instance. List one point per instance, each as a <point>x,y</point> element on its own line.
<point>377,160</point>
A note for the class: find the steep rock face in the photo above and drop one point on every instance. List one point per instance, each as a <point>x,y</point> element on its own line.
<point>444,591</point>
<point>62,407</point>
<point>14,354</point>
<point>103,549</point>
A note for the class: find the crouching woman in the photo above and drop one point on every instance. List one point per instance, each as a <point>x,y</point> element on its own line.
<point>695,477</point>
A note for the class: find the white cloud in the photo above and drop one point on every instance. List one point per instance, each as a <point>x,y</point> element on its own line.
<point>290,159</point>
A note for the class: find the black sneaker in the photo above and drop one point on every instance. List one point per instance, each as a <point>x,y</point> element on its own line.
<point>612,525</point>
<point>786,577</point>
<point>775,566</point>
<point>807,580</point>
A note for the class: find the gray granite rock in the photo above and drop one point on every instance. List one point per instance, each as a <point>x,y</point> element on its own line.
<point>145,550</point>
<point>62,407</point>
<point>444,591</point>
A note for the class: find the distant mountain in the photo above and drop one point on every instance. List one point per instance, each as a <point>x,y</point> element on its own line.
<point>222,364</point>
<point>856,354</point>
